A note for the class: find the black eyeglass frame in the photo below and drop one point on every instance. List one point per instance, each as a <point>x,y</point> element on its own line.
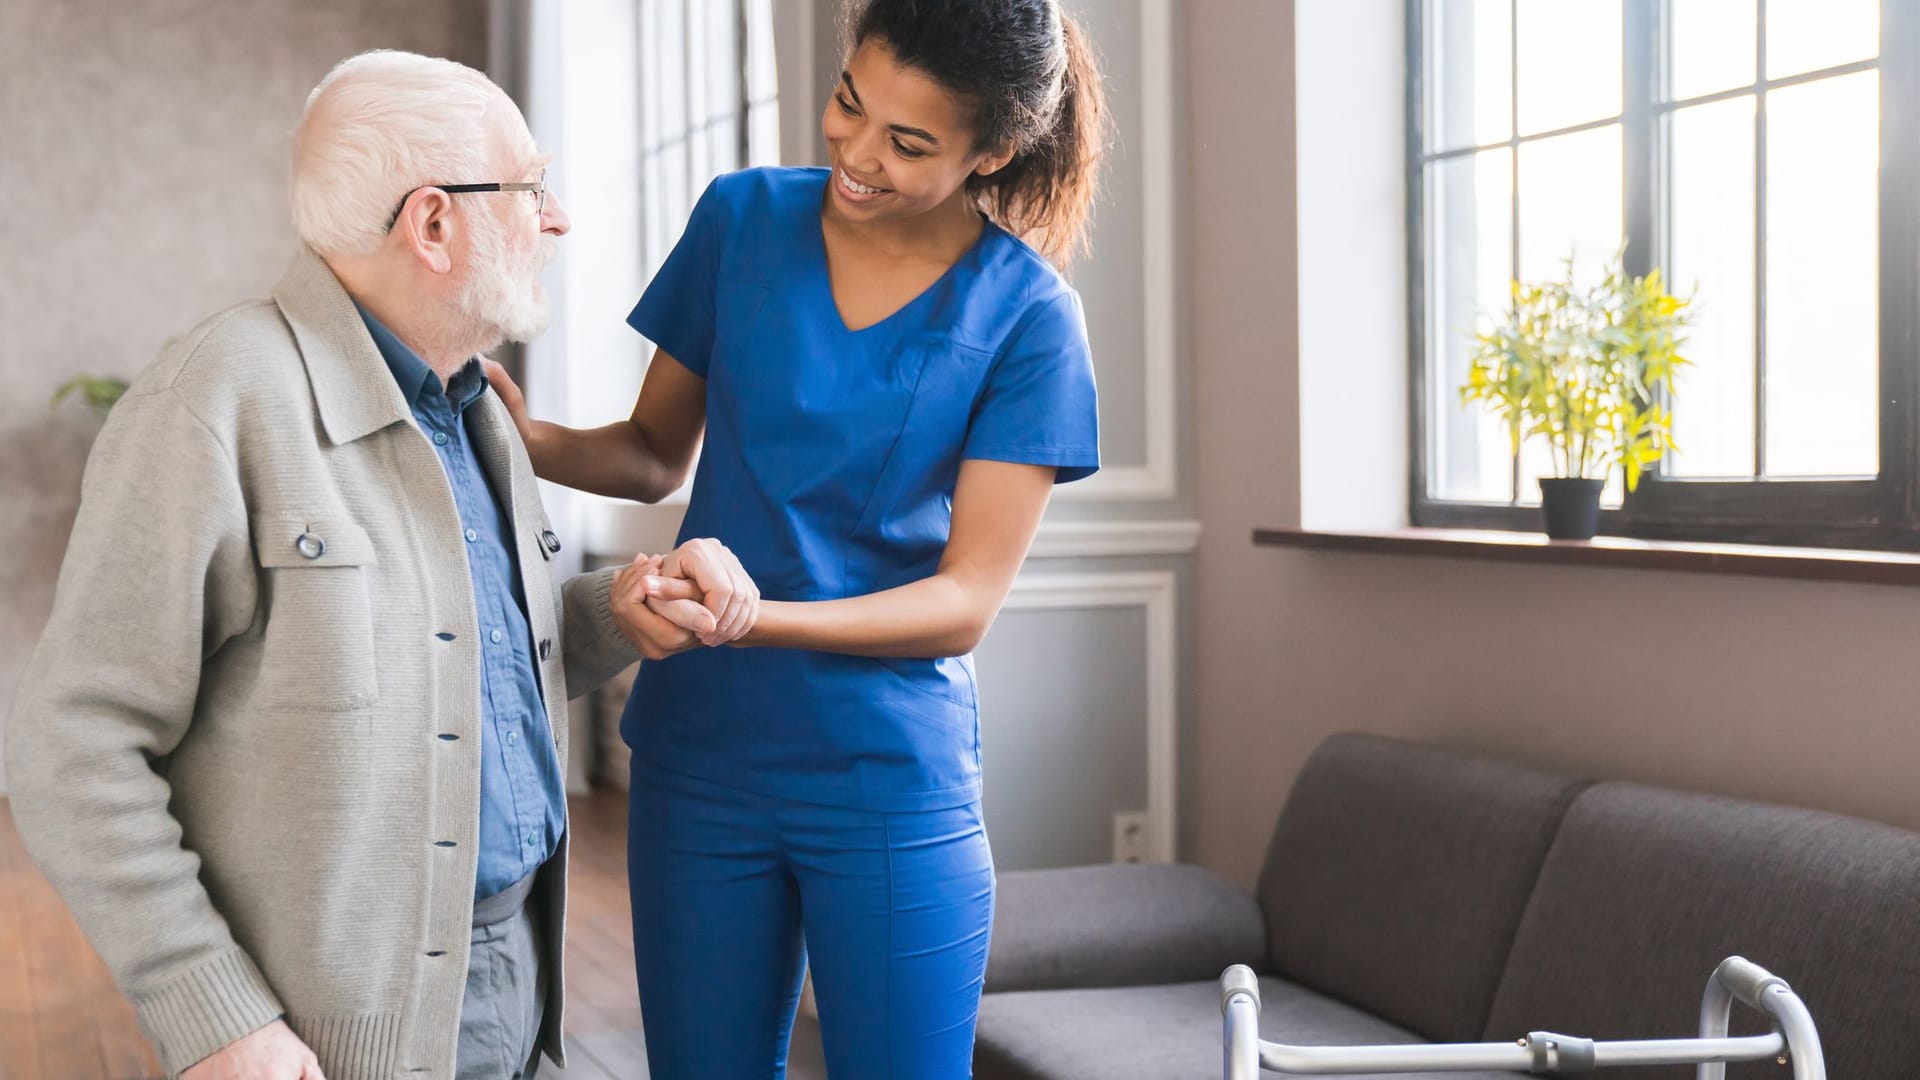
<point>538,187</point>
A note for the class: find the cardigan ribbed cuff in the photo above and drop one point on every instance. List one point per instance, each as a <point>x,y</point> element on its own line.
<point>204,1008</point>
<point>603,613</point>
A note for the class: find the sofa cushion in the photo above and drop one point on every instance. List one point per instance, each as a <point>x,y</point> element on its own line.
<point>1118,925</point>
<point>1170,1032</point>
<point>1647,890</point>
<point>1397,875</point>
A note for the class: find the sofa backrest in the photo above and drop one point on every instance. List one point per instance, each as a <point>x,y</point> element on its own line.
<point>1646,890</point>
<point>1398,873</point>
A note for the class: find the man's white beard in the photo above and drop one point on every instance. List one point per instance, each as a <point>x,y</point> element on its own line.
<point>500,300</point>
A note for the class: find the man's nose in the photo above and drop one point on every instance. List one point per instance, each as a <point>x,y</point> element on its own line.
<point>553,217</point>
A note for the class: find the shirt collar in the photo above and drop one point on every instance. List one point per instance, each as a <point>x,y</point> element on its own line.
<point>413,374</point>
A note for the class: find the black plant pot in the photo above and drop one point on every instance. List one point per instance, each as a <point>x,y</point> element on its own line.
<point>1571,508</point>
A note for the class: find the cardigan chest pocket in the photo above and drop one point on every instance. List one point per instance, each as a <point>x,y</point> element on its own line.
<point>317,648</point>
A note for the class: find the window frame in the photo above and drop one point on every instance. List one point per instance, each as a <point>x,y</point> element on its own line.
<point>1881,512</point>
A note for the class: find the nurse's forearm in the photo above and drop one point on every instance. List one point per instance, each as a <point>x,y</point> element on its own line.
<point>616,460</point>
<point>937,616</point>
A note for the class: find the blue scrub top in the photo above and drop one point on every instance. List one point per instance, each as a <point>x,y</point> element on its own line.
<point>829,468</point>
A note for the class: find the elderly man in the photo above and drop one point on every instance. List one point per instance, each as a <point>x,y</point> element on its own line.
<point>293,741</point>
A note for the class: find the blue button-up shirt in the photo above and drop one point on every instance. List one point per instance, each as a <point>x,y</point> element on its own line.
<point>522,796</point>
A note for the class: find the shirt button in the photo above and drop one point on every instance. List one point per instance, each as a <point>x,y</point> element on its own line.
<point>439,438</point>
<point>513,738</point>
<point>530,841</point>
<point>546,648</point>
<point>496,637</point>
<point>472,536</point>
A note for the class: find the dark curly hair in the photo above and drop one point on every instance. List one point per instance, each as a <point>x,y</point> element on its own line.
<point>1029,76</point>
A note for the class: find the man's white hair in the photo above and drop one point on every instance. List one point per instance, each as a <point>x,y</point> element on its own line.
<point>378,126</point>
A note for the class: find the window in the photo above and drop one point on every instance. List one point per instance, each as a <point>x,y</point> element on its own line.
<point>709,104</point>
<point>1762,153</point>
<point>645,102</point>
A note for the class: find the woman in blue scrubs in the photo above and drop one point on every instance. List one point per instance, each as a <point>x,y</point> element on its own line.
<point>889,380</point>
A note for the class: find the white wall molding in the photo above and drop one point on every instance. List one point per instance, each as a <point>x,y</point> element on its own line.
<point>1111,539</point>
<point>1156,591</point>
<point>1158,477</point>
<point>611,527</point>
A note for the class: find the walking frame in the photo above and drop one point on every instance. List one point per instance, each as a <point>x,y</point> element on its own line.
<point>1544,1053</point>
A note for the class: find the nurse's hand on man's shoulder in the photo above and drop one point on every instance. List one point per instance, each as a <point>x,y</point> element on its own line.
<point>725,588</point>
<point>661,616</point>
<point>510,396</point>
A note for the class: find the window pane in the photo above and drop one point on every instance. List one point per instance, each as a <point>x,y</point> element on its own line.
<point>1822,301</point>
<point>1472,88</point>
<point>1711,256</point>
<point>1807,35</point>
<point>1570,63</point>
<point>1712,46</point>
<point>1570,204</point>
<point>1469,253</point>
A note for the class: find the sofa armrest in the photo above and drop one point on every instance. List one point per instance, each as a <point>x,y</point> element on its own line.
<point>1119,925</point>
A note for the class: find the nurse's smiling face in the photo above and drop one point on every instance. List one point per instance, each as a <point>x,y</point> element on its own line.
<point>900,143</point>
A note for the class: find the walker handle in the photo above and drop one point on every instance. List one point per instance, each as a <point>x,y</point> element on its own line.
<point>1747,980</point>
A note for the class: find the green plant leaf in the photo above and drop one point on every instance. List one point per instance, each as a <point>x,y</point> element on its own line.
<point>99,392</point>
<point>1590,371</point>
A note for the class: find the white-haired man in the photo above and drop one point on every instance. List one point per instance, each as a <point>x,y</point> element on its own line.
<point>292,744</point>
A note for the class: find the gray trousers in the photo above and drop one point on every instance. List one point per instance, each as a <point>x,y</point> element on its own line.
<point>506,997</point>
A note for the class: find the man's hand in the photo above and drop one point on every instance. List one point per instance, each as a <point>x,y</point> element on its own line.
<point>272,1053</point>
<point>725,588</point>
<point>662,617</point>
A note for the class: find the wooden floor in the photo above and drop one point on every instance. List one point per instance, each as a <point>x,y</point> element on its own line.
<point>61,1018</point>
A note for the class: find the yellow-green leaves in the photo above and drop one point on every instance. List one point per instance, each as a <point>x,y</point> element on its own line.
<point>1590,370</point>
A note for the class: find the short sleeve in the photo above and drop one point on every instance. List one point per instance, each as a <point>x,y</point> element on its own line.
<point>1039,406</point>
<point>676,312</point>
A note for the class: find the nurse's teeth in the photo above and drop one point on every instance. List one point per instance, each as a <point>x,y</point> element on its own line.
<point>858,189</point>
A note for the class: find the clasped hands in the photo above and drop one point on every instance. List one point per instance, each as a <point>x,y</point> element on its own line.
<point>696,596</point>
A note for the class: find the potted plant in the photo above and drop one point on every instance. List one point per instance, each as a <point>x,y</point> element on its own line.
<point>1591,371</point>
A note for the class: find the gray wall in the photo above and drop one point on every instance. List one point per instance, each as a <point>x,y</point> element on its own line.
<point>145,171</point>
<point>1793,692</point>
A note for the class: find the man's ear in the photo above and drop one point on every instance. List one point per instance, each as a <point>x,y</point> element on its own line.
<point>427,225</point>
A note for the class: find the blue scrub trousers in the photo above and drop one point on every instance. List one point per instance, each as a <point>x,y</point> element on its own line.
<point>734,893</point>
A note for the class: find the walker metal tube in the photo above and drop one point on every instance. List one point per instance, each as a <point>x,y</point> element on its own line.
<point>1543,1052</point>
<point>1240,1015</point>
<point>1738,977</point>
<point>1515,1057</point>
<point>1796,1024</point>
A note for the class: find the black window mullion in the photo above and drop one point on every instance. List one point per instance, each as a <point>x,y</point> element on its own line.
<point>1760,241</point>
<point>1900,260</point>
<point>1414,172</point>
<point>1640,147</point>
<point>1513,201</point>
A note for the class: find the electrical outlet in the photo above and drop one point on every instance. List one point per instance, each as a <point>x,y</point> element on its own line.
<point>1130,837</point>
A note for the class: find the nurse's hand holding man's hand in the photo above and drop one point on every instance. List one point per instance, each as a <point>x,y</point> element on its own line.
<point>725,590</point>
<point>696,596</point>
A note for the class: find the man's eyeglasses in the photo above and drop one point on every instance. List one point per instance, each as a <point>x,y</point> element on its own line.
<point>537,187</point>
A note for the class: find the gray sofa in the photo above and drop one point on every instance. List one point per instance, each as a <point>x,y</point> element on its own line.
<point>1417,894</point>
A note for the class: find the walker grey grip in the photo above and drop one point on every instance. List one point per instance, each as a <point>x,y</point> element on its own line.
<point>1747,980</point>
<point>1236,980</point>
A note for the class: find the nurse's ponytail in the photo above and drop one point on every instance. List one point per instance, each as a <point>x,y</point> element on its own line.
<point>1030,76</point>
